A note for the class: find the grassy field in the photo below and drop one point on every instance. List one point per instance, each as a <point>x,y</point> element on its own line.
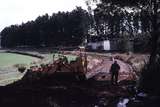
<point>49,57</point>
<point>7,60</point>
<point>10,59</point>
<point>8,73</point>
<point>69,57</point>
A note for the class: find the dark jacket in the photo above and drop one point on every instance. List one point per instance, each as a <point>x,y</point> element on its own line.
<point>115,68</point>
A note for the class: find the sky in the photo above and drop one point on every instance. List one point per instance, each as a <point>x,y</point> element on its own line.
<point>18,11</point>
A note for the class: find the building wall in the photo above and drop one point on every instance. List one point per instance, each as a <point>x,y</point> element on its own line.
<point>95,45</point>
<point>106,45</point>
<point>111,45</point>
<point>101,45</point>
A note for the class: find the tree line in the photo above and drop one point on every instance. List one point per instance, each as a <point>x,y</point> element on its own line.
<point>71,28</point>
<point>59,29</point>
<point>114,19</point>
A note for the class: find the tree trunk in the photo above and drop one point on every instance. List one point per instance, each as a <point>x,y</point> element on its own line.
<point>154,34</point>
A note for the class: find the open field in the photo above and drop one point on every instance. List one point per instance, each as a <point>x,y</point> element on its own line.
<point>8,71</point>
<point>10,59</point>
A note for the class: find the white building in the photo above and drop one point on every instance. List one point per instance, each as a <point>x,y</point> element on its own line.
<point>111,45</point>
<point>100,45</point>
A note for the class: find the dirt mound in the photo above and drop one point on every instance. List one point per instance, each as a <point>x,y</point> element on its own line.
<point>98,68</point>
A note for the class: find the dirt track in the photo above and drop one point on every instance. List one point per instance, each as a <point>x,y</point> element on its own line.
<point>99,69</point>
<point>100,63</point>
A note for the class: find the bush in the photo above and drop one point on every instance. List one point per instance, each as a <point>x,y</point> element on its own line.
<point>149,78</point>
<point>21,67</point>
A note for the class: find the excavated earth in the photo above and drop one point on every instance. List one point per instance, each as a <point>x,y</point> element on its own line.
<point>99,66</point>
<point>64,90</point>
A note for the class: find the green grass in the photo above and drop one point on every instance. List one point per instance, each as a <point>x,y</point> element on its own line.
<point>10,59</point>
<point>69,57</point>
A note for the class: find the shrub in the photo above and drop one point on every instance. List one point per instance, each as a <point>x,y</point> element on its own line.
<point>21,67</point>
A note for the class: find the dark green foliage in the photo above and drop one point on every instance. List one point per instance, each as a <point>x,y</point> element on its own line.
<point>62,28</point>
<point>150,77</point>
<point>21,69</point>
<point>127,20</point>
<point>122,21</point>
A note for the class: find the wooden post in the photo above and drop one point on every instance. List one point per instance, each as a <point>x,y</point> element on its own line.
<point>84,58</point>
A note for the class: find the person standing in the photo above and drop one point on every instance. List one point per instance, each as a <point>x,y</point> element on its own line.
<point>114,70</point>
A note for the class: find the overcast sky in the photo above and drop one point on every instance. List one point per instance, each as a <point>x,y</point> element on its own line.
<point>18,11</point>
